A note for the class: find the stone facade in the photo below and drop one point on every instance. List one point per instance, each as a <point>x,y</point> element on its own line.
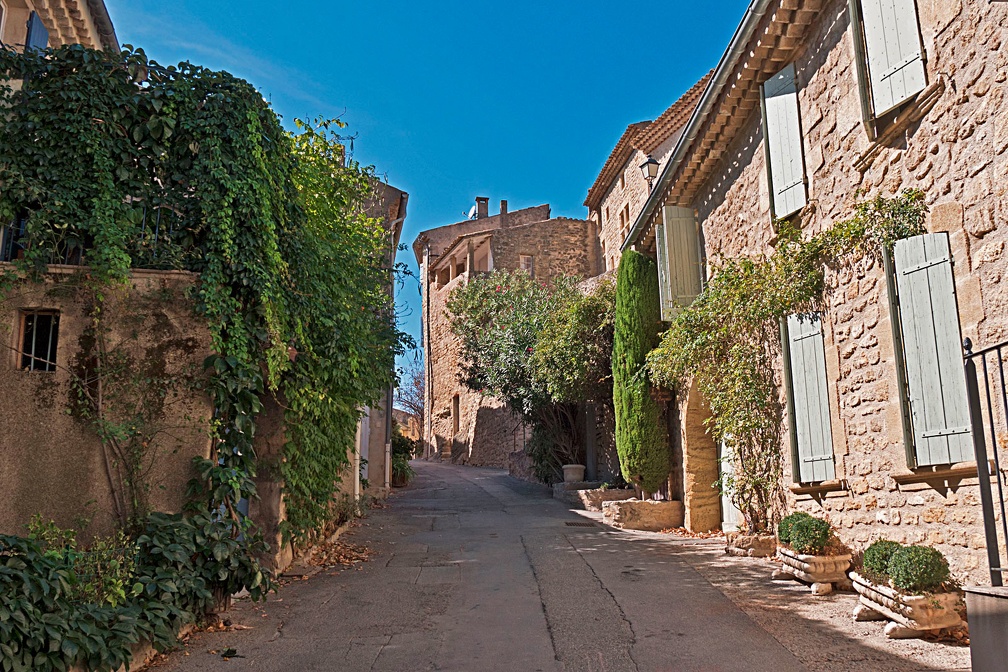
<point>52,462</point>
<point>951,143</point>
<point>618,194</point>
<point>460,423</point>
<point>83,22</point>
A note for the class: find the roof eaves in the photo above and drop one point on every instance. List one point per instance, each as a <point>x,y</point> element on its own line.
<point>617,157</point>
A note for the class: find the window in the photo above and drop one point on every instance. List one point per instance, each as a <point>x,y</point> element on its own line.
<point>624,223</point>
<point>783,144</point>
<point>622,180</point>
<point>890,58</point>
<point>527,264</point>
<point>680,269</point>
<point>936,417</point>
<point>808,399</point>
<point>455,415</point>
<point>39,338</point>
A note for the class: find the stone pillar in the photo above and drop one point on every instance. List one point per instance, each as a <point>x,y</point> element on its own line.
<point>700,466</point>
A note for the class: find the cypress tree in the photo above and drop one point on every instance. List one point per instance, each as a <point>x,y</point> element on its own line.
<point>641,437</point>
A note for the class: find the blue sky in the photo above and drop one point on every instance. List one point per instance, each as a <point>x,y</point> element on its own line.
<point>517,100</point>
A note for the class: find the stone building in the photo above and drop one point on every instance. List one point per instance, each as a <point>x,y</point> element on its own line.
<point>460,423</point>
<point>40,24</point>
<point>816,105</point>
<point>618,193</point>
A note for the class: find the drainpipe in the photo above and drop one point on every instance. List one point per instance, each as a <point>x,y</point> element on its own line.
<point>721,78</point>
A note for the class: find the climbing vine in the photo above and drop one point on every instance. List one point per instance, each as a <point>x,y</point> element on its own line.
<point>728,340</point>
<point>115,162</point>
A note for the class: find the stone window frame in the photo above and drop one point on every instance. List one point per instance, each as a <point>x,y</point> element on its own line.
<point>27,359</point>
<point>528,267</point>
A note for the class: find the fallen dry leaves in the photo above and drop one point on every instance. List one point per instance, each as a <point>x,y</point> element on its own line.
<point>341,553</point>
<point>683,532</point>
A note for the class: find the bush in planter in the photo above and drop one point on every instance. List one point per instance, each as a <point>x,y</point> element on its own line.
<point>877,557</point>
<point>402,472</point>
<point>786,523</point>
<point>918,568</point>
<point>810,535</point>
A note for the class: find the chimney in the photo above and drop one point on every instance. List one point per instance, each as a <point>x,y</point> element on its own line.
<point>503,207</point>
<point>482,207</point>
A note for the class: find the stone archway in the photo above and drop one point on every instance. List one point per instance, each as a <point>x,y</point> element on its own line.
<point>700,464</point>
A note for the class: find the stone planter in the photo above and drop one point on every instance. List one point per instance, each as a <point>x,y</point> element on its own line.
<point>573,473</point>
<point>822,571</point>
<point>910,615</point>
<point>592,500</point>
<point>750,545</point>
<point>647,515</point>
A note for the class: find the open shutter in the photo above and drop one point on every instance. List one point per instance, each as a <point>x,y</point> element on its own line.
<point>936,377</point>
<point>893,50</point>
<point>664,289</point>
<point>682,254</point>
<point>38,35</point>
<point>810,409</point>
<point>784,142</point>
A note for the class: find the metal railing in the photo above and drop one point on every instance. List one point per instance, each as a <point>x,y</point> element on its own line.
<point>988,402</point>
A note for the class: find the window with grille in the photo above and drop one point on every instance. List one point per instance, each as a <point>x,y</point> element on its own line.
<point>39,338</point>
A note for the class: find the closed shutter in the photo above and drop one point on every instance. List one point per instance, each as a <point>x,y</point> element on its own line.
<point>38,35</point>
<point>784,142</point>
<point>893,50</point>
<point>810,408</point>
<point>682,254</point>
<point>936,377</point>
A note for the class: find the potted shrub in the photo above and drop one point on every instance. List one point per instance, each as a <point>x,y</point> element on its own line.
<point>907,585</point>
<point>809,551</point>
<point>402,472</point>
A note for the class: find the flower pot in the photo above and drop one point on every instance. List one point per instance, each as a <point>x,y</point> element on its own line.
<point>911,615</point>
<point>822,571</point>
<point>400,480</point>
<point>573,473</point>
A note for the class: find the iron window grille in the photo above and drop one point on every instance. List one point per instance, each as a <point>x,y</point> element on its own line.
<point>39,339</point>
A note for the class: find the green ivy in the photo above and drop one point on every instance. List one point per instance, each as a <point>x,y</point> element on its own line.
<point>728,339</point>
<point>118,162</point>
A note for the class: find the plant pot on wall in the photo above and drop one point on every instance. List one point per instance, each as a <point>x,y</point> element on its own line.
<point>909,615</point>
<point>573,473</point>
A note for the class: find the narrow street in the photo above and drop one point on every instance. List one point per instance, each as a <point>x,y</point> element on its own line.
<point>474,570</point>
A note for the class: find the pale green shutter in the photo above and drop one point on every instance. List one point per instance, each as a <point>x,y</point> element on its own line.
<point>664,289</point>
<point>682,250</point>
<point>936,378</point>
<point>812,425</point>
<point>894,52</point>
<point>784,142</point>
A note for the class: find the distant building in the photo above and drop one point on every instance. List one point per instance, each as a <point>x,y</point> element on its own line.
<point>460,423</point>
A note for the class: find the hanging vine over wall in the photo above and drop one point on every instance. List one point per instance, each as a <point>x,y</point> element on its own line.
<point>116,162</point>
<point>728,340</point>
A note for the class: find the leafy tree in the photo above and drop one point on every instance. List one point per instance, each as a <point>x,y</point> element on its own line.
<point>641,439</point>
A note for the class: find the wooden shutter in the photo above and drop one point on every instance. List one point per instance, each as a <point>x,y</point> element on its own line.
<point>38,35</point>
<point>784,142</point>
<point>664,289</point>
<point>682,255</point>
<point>893,50</point>
<point>932,348</point>
<point>810,399</point>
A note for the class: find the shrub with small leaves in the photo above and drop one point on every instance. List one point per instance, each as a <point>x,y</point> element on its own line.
<point>810,535</point>
<point>786,523</point>
<point>877,557</point>
<point>918,569</point>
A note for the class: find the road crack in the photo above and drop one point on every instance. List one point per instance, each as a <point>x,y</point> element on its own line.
<point>542,601</point>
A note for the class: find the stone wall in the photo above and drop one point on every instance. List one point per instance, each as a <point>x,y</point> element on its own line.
<point>957,153</point>
<point>487,431</point>
<point>52,461</point>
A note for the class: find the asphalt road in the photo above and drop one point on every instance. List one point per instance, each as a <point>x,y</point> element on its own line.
<point>474,570</point>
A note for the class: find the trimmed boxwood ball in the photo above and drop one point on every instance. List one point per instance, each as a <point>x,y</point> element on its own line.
<point>810,535</point>
<point>918,568</point>
<point>784,526</point>
<point>878,555</point>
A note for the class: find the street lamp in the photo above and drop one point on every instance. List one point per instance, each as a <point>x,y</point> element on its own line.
<point>650,170</point>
